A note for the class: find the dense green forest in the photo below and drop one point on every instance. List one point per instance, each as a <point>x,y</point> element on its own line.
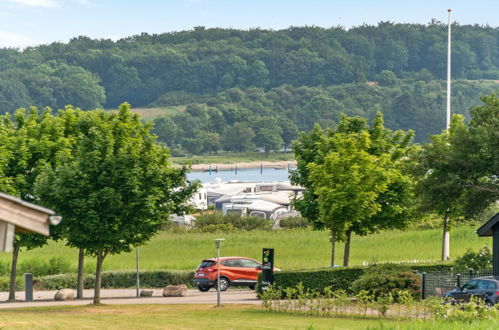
<point>259,87</point>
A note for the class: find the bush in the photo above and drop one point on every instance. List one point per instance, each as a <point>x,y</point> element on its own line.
<point>475,260</point>
<point>294,222</point>
<point>238,222</point>
<point>55,265</point>
<point>117,279</point>
<point>343,278</point>
<point>317,280</point>
<point>388,280</point>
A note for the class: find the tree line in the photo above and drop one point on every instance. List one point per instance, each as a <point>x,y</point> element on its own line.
<point>240,120</point>
<point>140,69</point>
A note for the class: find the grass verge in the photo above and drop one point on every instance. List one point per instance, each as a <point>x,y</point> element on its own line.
<point>294,248</point>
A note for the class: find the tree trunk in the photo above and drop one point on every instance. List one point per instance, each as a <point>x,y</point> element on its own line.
<point>346,255</point>
<point>333,241</point>
<point>81,269</point>
<point>445,239</point>
<point>98,276</point>
<point>13,271</point>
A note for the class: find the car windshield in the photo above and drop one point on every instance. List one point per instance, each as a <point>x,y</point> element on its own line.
<point>206,263</point>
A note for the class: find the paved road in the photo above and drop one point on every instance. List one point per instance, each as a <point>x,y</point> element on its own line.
<point>128,296</point>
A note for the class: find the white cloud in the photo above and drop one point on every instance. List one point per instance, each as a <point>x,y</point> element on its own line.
<point>8,39</point>
<point>36,3</point>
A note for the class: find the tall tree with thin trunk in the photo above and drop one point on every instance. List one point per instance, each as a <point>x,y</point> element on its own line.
<point>118,188</point>
<point>355,175</point>
<point>30,140</point>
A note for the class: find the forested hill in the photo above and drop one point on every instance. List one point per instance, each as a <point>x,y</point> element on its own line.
<point>197,65</point>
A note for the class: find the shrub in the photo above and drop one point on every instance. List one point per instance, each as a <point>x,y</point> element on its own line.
<point>238,222</point>
<point>38,267</point>
<point>117,279</point>
<point>388,280</point>
<point>475,260</point>
<point>317,280</point>
<point>294,222</point>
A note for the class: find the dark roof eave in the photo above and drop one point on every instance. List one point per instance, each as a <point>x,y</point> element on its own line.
<point>487,228</point>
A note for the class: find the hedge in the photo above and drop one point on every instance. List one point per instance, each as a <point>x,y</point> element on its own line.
<point>337,278</point>
<point>117,279</point>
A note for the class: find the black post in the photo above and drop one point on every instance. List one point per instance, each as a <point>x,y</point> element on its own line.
<point>423,286</point>
<point>495,252</point>
<point>267,268</point>
<point>458,280</point>
<point>28,284</point>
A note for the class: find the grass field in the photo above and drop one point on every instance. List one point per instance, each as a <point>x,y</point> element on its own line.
<point>199,317</point>
<point>148,114</point>
<point>294,249</point>
<point>232,158</point>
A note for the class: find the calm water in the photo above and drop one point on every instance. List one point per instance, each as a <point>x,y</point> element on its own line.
<point>252,174</point>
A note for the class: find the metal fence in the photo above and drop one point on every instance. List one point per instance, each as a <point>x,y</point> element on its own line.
<point>438,283</point>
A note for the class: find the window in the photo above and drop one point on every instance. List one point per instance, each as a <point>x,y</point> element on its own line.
<point>486,285</point>
<point>207,263</point>
<point>471,285</point>
<point>258,214</point>
<point>231,263</point>
<point>246,263</point>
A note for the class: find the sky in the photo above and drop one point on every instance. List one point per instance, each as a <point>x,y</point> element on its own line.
<point>32,22</point>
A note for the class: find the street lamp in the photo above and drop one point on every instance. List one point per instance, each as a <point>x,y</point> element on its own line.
<point>217,244</point>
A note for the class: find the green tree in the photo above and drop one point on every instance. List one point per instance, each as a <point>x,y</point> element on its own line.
<point>117,189</point>
<point>457,172</point>
<point>238,137</point>
<point>356,179</point>
<point>30,141</point>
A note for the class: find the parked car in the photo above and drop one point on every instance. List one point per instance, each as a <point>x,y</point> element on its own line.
<point>234,271</point>
<point>486,287</point>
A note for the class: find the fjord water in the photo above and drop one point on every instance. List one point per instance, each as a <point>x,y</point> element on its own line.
<point>252,174</point>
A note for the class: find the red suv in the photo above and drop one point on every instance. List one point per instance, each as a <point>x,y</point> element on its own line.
<point>234,271</point>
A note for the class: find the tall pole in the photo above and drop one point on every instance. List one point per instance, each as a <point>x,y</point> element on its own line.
<point>446,234</point>
<point>448,69</point>
<point>137,262</point>
<point>217,244</point>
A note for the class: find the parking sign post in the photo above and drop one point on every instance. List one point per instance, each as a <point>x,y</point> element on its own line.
<point>267,267</point>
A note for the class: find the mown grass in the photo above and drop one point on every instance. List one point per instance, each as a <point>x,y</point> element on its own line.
<point>171,317</point>
<point>294,249</point>
<point>148,114</point>
<point>202,317</point>
<point>232,158</point>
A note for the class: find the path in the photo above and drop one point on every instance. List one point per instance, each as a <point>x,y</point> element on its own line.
<point>128,296</point>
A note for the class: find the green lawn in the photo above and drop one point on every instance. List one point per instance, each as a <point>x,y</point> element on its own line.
<point>294,249</point>
<point>171,317</point>
<point>200,317</point>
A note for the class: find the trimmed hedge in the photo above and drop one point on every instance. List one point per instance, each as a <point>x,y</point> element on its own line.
<point>117,279</point>
<point>338,278</point>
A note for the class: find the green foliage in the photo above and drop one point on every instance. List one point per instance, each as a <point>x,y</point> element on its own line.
<point>117,280</point>
<point>229,222</point>
<point>385,281</point>
<point>55,265</point>
<point>469,312</point>
<point>475,260</point>
<point>294,222</point>
<point>354,176</point>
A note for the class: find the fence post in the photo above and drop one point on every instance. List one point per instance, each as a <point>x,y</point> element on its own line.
<point>423,285</point>
<point>458,280</point>
<point>28,286</point>
<point>471,273</point>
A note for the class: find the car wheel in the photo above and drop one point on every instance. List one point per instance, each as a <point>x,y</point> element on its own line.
<point>252,287</point>
<point>224,283</point>
<point>203,288</point>
<point>489,303</point>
